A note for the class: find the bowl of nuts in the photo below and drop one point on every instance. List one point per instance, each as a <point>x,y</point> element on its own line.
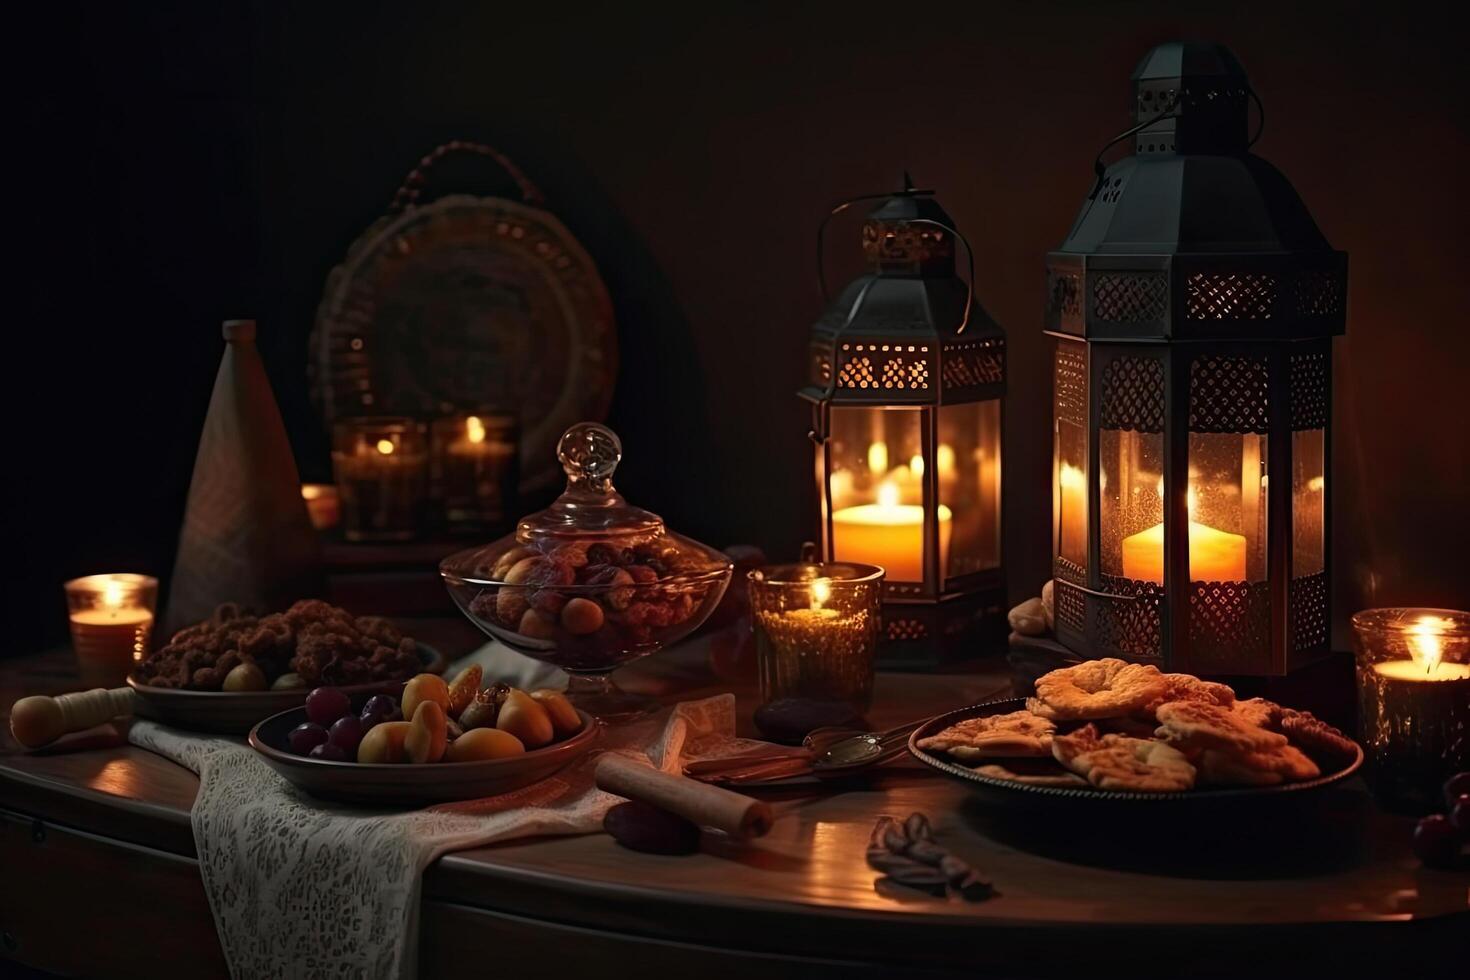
<point>591,582</point>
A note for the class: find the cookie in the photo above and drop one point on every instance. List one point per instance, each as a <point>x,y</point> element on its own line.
<point>1060,778</point>
<point>1285,764</point>
<point>993,736</point>
<point>1135,726</point>
<point>1103,688</point>
<point>1210,726</point>
<point>1187,687</point>
<point>1135,765</point>
<point>1066,748</point>
<point>1259,712</point>
<point>1310,733</point>
<point>1040,709</point>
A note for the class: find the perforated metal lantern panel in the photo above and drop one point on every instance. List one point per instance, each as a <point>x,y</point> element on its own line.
<point>1193,302</point>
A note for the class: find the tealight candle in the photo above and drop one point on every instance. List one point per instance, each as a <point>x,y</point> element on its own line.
<point>111,624</point>
<point>1414,700</point>
<point>323,505</point>
<point>816,629</point>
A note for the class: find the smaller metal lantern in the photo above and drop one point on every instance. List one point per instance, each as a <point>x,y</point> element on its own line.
<point>1193,307</point>
<point>906,380</point>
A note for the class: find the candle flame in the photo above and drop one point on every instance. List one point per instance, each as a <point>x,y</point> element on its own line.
<point>888,495</point>
<point>821,591</point>
<point>878,458</point>
<point>385,446</point>
<point>1316,483</point>
<point>1424,641</point>
<point>112,593</point>
<point>945,458</point>
<point>474,429</point>
<point>1191,498</point>
<point>1071,477</point>
<point>916,464</point>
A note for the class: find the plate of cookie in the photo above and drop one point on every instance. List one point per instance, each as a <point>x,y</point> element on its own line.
<point>1118,731</point>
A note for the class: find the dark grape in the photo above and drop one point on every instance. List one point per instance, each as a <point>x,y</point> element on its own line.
<point>325,705</point>
<point>329,752</point>
<point>1455,787</point>
<point>1460,818</point>
<point>305,737</point>
<point>1435,842</point>
<point>346,732</point>
<point>379,708</point>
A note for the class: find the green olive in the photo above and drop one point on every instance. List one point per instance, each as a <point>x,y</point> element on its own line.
<point>289,682</point>
<point>245,677</point>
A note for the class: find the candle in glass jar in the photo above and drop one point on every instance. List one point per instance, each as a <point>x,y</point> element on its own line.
<point>889,534</point>
<point>1414,699</point>
<point>380,465</point>
<point>476,469</point>
<point>323,506</point>
<point>111,618</point>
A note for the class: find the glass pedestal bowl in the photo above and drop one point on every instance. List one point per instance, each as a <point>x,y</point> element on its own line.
<point>590,583</point>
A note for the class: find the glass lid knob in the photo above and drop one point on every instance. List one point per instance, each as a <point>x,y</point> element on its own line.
<point>589,453</point>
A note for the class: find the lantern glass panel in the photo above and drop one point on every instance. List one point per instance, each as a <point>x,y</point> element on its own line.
<point>967,461</point>
<point>1308,502</point>
<point>1069,492</point>
<point>1131,483</point>
<point>877,490</point>
<point>1227,507</point>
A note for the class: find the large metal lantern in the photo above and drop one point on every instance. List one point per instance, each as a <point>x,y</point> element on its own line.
<point>906,382</point>
<point>1193,306</point>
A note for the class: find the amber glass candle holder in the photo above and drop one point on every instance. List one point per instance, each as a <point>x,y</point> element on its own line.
<point>475,470</point>
<point>816,630</point>
<point>111,624</point>
<point>381,468</point>
<point>1414,701</point>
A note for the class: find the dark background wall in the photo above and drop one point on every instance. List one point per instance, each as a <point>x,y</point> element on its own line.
<point>174,165</point>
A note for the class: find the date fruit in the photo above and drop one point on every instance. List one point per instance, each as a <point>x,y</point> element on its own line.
<point>643,827</point>
<point>384,743</point>
<point>582,616</point>
<point>464,688</point>
<point>427,734</point>
<point>424,687</point>
<point>526,719</point>
<point>564,718</point>
<point>483,743</point>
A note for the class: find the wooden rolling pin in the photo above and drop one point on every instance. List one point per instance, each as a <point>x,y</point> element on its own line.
<point>699,803</point>
<point>41,720</point>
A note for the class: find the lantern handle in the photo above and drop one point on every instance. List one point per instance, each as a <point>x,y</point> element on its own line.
<point>969,254</point>
<point>1099,170</point>
<point>407,195</point>
<point>837,209</point>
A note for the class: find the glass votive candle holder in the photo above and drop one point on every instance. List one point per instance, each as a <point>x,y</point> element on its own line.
<point>816,631</point>
<point>475,469</point>
<point>1413,671</point>
<point>111,624</point>
<point>323,506</point>
<point>381,468</point>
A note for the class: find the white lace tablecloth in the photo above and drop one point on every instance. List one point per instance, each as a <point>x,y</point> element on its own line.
<point>301,887</point>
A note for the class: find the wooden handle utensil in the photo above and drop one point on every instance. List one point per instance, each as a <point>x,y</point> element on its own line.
<point>41,720</point>
<point>700,803</point>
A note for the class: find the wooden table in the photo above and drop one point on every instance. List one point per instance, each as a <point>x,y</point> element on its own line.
<point>101,878</point>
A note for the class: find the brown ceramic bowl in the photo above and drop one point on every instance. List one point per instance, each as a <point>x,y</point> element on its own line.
<point>409,784</point>
<point>235,712</point>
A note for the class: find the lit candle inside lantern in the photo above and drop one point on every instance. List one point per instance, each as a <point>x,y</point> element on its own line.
<point>889,534</point>
<point>1214,555</point>
<point>1073,502</point>
<point>111,623</point>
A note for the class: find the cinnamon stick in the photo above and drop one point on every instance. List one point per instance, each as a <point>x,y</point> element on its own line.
<point>708,806</point>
